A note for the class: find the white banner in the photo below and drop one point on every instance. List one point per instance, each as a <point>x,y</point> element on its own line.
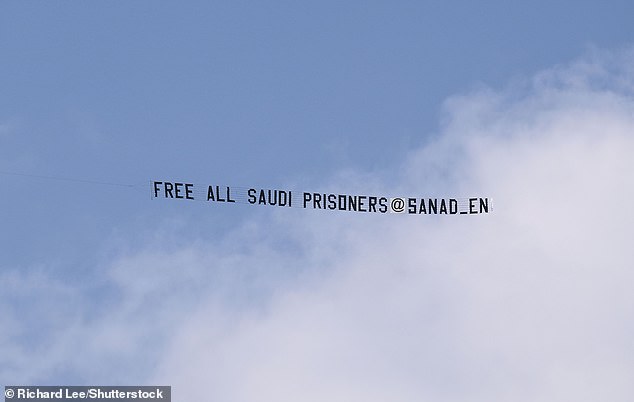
<point>213,193</point>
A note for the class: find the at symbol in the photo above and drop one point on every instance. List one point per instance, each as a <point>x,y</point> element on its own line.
<point>397,205</point>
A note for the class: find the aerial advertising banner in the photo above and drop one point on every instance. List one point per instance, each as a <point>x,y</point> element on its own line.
<point>363,203</point>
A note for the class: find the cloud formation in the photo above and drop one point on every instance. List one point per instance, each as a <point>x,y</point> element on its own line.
<point>530,303</point>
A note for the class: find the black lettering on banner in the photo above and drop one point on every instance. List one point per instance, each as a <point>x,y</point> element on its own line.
<point>383,205</point>
<point>307,198</point>
<point>218,197</point>
<point>342,205</point>
<point>361,200</point>
<point>327,201</point>
<point>271,197</point>
<point>168,189</point>
<point>262,198</point>
<point>372,204</point>
<point>189,191</point>
<point>173,190</point>
<point>422,209</point>
<point>332,201</point>
<point>443,206</point>
<point>484,205</point>
<point>453,206</point>
<point>282,198</point>
<point>177,191</point>
<point>397,205</point>
<point>156,188</point>
<point>213,194</point>
<point>316,201</point>
<point>433,206</point>
<point>411,205</point>
<point>352,203</point>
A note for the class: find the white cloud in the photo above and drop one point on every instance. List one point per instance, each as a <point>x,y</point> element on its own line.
<point>530,303</point>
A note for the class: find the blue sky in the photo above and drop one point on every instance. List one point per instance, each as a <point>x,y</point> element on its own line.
<point>244,93</point>
<point>528,103</point>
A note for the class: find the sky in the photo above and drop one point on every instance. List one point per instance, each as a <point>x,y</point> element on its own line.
<point>529,104</point>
